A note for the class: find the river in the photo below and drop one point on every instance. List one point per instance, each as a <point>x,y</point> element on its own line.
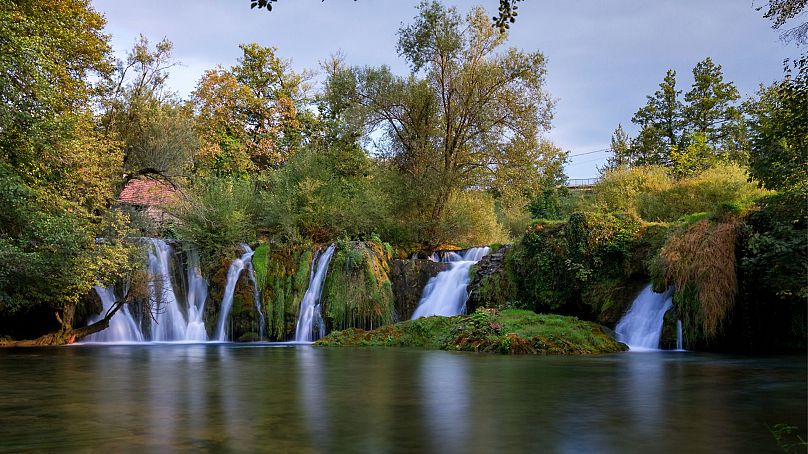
<point>267,398</point>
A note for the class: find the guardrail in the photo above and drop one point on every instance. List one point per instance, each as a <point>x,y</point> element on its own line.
<point>582,182</point>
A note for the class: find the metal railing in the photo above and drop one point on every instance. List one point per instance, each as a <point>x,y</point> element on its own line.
<point>581,182</point>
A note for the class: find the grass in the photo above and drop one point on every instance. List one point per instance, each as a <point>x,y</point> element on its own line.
<point>511,331</point>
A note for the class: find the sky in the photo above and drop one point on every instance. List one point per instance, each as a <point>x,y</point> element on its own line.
<point>604,57</point>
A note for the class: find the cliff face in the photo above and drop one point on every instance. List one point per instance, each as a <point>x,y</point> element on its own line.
<point>409,277</point>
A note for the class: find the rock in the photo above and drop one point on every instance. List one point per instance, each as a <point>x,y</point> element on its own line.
<point>491,286</point>
<point>409,277</point>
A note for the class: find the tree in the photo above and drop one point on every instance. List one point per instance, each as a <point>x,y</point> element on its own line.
<point>706,129</point>
<point>661,124</point>
<point>156,131</point>
<point>250,116</point>
<point>622,151</point>
<point>465,115</point>
<point>778,129</point>
<point>57,175</point>
<point>711,110</point>
<point>782,11</point>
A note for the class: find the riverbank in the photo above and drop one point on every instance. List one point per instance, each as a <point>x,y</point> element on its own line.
<point>509,331</point>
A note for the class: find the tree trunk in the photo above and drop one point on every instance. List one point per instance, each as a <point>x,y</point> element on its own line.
<point>67,334</point>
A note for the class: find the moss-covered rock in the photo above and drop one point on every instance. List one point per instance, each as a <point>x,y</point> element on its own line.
<point>509,331</point>
<point>408,278</point>
<point>492,282</point>
<point>282,273</point>
<point>357,291</point>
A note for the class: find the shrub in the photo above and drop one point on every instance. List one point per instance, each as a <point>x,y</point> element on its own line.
<point>705,192</point>
<point>217,214</point>
<point>469,220</point>
<point>620,188</point>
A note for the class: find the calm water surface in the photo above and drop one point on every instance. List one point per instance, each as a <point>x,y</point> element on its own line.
<point>237,398</point>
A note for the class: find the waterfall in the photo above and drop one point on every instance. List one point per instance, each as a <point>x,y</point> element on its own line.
<point>122,327</point>
<point>169,322</point>
<point>233,274</point>
<point>310,306</point>
<point>641,327</point>
<point>445,294</point>
<point>197,294</point>
<point>256,294</point>
<point>679,343</point>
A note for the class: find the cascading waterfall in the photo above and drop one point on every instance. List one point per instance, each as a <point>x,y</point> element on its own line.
<point>641,327</point>
<point>122,327</point>
<point>679,341</point>
<point>256,293</point>
<point>310,306</point>
<point>169,322</point>
<point>445,294</point>
<point>233,274</point>
<point>197,295</point>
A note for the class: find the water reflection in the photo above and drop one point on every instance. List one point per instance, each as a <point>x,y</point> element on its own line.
<point>303,399</point>
<point>444,381</point>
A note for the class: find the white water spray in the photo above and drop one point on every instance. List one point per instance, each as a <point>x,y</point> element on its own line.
<point>233,274</point>
<point>641,327</point>
<point>122,326</point>
<point>445,294</point>
<point>310,306</point>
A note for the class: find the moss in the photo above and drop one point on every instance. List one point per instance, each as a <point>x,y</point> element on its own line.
<point>259,262</point>
<point>357,291</point>
<point>510,331</point>
<point>283,280</point>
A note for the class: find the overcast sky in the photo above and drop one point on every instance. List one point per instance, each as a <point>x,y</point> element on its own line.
<point>604,57</point>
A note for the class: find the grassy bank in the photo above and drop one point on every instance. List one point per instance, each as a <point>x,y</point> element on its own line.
<point>509,331</point>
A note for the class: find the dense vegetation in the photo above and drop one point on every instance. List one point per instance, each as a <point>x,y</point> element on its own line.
<point>710,196</point>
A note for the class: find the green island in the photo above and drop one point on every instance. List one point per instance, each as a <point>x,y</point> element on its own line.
<point>512,331</point>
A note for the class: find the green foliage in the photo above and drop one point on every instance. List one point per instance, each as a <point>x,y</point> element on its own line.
<point>282,272</point>
<point>324,194</point>
<point>469,220</point>
<point>217,214</point>
<point>57,174</point>
<point>620,189</point>
<point>510,332</point>
<point>555,264</point>
<point>704,192</point>
<point>779,133</point>
<point>687,136</point>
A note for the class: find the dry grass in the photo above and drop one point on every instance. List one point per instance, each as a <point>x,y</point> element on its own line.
<point>703,256</point>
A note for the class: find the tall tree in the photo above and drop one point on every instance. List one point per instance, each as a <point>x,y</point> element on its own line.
<point>155,129</point>
<point>660,122</point>
<point>711,110</point>
<point>467,112</point>
<point>250,116</point>
<point>56,173</point>
<point>622,151</point>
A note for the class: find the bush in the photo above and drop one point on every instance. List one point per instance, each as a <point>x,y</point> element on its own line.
<point>324,194</point>
<point>217,214</point>
<point>724,184</point>
<point>469,220</point>
<point>620,188</point>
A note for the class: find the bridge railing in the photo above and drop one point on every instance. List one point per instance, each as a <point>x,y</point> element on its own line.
<point>581,182</point>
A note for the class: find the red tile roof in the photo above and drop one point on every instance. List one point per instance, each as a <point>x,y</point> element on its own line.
<point>146,192</point>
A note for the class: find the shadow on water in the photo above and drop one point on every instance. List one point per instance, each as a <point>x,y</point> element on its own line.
<point>252,398</point>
